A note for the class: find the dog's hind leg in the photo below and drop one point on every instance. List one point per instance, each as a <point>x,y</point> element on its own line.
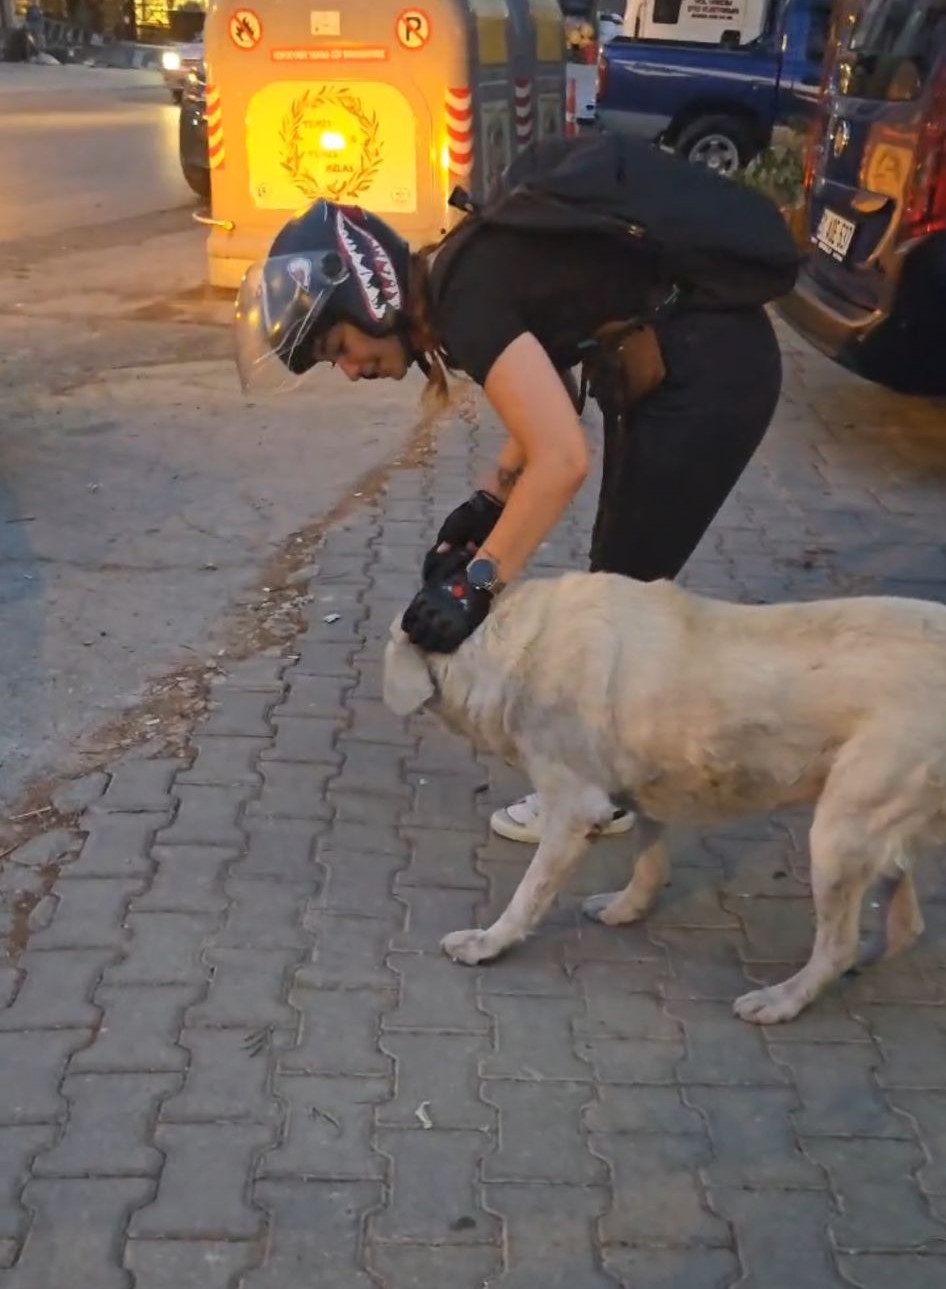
<point>571,810</point>
<point>872,805</point>
<point>651,870</point>
<point>904,922</point>
<point>839,878</point>
<point>901,920</point>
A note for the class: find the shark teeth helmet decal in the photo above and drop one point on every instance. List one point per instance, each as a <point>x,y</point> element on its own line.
<point>372,267</point>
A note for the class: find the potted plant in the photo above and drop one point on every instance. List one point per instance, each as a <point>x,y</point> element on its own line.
<point>779,172</point>
<point>581,42</point>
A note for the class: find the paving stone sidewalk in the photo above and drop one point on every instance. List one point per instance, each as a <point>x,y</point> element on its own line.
<point>231,1054</point>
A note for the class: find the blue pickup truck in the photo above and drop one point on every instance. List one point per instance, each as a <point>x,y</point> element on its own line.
<point>717,104</point>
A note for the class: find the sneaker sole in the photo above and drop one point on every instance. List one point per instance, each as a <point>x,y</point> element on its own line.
<point>504,826</point>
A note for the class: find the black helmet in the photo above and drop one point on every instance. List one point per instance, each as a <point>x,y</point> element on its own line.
<point>331,264</point>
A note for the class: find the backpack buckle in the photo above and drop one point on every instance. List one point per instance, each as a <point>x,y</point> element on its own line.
<point>460,199</point>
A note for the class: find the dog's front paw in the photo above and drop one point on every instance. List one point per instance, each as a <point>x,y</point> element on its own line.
<point>594,906</point>
<point>769,1006</point>
<point>469,947</point>
<point>608,909</point>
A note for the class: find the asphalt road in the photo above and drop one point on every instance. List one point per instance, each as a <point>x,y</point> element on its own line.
<point>82,146</point>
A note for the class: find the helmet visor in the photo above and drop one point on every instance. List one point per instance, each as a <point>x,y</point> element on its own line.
<point>277,314</point>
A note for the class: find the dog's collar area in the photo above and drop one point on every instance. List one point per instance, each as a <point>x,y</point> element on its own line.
<point>434,683</point>
<point>628,802</point>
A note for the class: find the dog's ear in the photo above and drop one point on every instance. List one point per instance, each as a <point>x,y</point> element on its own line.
<point>406,685</point>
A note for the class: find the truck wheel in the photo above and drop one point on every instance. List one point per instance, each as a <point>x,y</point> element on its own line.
<point>198,179</point>
<point>722,143</point>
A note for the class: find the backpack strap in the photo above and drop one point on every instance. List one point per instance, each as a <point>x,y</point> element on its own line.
<point>610,337</point>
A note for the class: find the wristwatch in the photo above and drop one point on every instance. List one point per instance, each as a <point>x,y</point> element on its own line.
<point>483,575</point>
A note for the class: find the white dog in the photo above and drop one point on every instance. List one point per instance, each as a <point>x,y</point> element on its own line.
<point>694,710</point>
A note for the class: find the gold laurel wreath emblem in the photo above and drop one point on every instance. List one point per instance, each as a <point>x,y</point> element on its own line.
<point>295,157</point>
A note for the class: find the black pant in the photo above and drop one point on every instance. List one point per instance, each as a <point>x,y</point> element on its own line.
<point>672,460</point>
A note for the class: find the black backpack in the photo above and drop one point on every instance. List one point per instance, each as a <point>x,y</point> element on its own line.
<point>716,243</point>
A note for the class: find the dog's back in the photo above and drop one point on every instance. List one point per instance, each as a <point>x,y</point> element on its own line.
<point>573,628</point>
<point>649,688</point>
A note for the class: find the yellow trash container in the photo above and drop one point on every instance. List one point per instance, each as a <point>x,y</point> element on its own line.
<point>550,69</point>
<point>537,60</point>
<point>378,103</point>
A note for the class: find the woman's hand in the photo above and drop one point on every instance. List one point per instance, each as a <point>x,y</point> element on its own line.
<point>464,529</point>
<point>469,526</point>
<point>447,609</point>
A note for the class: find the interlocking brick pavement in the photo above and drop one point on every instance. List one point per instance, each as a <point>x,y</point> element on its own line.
<point>234,1057</point>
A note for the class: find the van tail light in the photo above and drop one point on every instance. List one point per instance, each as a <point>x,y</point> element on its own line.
<point>924,209</point>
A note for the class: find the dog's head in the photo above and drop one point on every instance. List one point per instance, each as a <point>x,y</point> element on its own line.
<point>407,683</point>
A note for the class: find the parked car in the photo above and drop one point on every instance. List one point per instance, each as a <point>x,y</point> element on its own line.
<point>873,292</point>
<point>176,62</point>
<point>717,103</point>
<point>192,132</point>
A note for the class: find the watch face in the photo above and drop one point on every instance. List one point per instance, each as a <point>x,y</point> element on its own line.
<point>481,574</point>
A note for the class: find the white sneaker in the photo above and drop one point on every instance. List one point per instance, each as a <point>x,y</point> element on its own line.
<point>522,821</point>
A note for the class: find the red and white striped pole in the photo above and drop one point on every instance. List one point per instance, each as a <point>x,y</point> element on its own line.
<point>522,93</point>
<point>215,148</point>
<point>459,110</point>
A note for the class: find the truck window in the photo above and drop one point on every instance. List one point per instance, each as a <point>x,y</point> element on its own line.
<point>892,48</point>
<point>818,31</point>
<point>667,11</point>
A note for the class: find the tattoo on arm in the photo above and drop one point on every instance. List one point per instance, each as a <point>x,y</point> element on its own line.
<point>507,478</point>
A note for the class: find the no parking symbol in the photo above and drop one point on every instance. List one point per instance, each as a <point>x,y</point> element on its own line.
<point>413,29</point>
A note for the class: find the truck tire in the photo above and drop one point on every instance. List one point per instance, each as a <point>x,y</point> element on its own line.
<point>723,143</point>
<point>198,179</point>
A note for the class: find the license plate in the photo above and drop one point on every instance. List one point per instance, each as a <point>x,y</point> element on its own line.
<point>834,235</point>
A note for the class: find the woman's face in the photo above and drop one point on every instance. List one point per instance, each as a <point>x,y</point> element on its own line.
<point>362,357</point>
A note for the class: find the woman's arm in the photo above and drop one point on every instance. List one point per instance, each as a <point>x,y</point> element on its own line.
<point>505,474</point>
<point>546,435</point>
<point>546,459</point>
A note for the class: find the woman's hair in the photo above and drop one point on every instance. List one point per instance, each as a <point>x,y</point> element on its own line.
<point>424,337</point>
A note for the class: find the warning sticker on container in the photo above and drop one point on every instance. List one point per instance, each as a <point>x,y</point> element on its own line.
<point>245,29</point>
<point>551,113</point>
<point>332,54</point>
<point>497,141</point>
<point>325,22</point>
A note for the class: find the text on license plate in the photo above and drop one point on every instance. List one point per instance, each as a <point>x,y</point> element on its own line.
<point>834,234</point>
